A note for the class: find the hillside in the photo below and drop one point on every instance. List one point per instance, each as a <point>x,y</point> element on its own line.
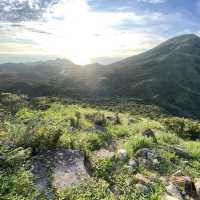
<point>167,76</point>
<point>61,149</point>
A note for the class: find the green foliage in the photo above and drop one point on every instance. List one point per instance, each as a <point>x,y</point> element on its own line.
<point>16,181</point>
<point>103,168</point>
<point>87,141</point>
<point>48,124</point>
<point>169,138</point>
<point>119,131</point>
<point>137,142</point>
<point>185,128</point>
<point>93,190</point>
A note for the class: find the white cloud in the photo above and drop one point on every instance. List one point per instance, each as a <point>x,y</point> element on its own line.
<point>73,30</point>
<point>82,35</point>
<point>152,1</point>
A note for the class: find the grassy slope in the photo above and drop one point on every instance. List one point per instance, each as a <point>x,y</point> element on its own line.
<point>43,124</point>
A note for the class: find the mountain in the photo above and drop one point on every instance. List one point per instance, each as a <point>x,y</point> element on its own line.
<point>168,76</point>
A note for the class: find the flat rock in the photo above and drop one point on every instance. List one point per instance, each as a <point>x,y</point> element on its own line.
<point>65,167</point>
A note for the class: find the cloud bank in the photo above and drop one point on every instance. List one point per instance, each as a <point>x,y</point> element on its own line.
<point>73,29</point>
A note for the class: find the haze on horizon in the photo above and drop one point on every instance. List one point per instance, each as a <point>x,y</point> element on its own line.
<point>86,31</point>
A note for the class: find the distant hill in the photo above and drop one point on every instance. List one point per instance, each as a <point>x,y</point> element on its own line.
<point>168,76</point>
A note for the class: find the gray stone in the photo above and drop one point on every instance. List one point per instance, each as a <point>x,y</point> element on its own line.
<point>132,165</point>
<point>65,167</point>
<point>141,188</point>
<point>172,193</point>
<point>122,154</point>
<point>97,129</point>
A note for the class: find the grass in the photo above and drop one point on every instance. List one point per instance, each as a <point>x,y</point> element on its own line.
<point>53,123</point>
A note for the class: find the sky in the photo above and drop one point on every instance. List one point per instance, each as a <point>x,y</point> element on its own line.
<point>87,31</point>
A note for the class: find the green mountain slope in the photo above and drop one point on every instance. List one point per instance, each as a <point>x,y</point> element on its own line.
<point>168,76</point>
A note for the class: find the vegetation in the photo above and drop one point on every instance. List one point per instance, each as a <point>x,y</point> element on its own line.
<point>37,125</point>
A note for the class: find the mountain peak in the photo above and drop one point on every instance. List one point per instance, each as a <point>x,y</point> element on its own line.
<point>182,39</point>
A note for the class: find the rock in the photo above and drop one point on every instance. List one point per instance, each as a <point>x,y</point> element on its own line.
<point>141,188</point>
<point>132,165</point>
<point>145,153</point>
<point>97,129</point>
<point>122,154</point>
<point>150,134</point>
<point>42,181</point>
<point>139,178</point>
<point>148,158</point>
<point>172,193</point>
<point>181,152</point>
<point>190,187</point>
<point>186,182</point>
<point>197,186</point>
<point>155,162</point>
<point>66,168</point>
<point>103,153</point>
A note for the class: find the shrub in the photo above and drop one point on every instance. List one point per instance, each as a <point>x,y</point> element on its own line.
<point>102,168</point>
<point>185,128</point>
<point>138,142</point>
<point>92,190</point>
<point>16,181</point>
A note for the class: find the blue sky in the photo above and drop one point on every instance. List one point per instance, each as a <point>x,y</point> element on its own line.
<point>86,31</point>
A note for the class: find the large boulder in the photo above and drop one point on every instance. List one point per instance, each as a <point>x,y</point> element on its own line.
<point>65,168</point>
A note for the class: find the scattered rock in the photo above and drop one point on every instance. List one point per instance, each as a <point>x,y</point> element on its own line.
<point>145,153</point>
<point>172,193</point>
<point>122,154</point>
<point>132,165</point>
<point>141,188</point>
<point>148,158</point>
<point>150,134</point>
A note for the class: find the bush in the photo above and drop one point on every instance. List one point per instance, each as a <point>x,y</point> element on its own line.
<point>16,181</point>
<point>138,142</point>
<point>92,190</point>
<point>102,168</point>
<point>185,128</point>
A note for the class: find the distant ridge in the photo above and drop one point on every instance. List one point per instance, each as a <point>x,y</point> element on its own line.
<point>167,75</point>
